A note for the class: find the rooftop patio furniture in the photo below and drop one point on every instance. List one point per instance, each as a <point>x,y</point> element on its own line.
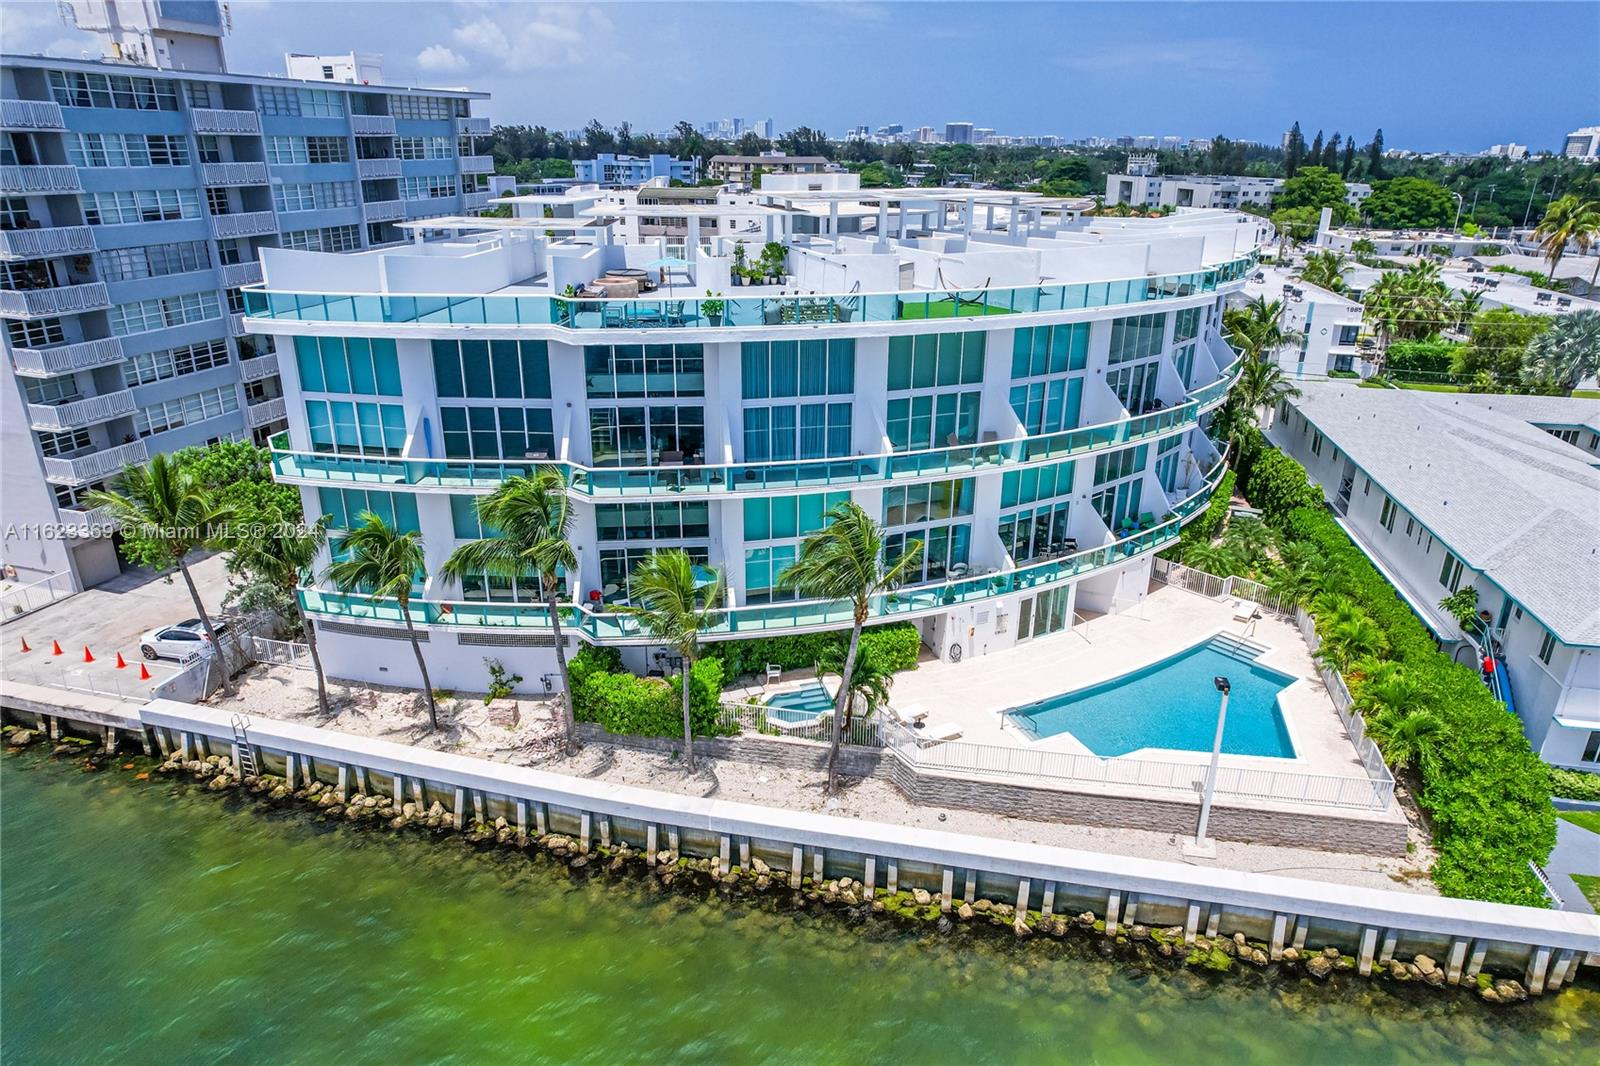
<point>944,731</point>
<point>910,714</point>
<point>774,671</point>
<point>1147,520</point>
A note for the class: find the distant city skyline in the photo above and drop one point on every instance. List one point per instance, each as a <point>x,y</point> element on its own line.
<point>1245,71</point>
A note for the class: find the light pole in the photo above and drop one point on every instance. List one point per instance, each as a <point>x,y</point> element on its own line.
<point>1529,212</point>
<point>1459,201</point>
<point>1202,847</point>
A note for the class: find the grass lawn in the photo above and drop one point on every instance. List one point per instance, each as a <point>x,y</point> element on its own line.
<point>946,309</point>
<point>1589,885</point>
<point>1589,820</point>
<point>1587,394</point>
<point>1425,386</point>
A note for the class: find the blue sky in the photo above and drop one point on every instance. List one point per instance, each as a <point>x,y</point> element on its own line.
<point>1432,75</point>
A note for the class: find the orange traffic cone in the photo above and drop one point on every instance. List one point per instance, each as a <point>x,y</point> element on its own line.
<point>55,647</point>
<point>87,657</point>
<point>120,664</point>
<point>144,672</point>
<point>25,644</point>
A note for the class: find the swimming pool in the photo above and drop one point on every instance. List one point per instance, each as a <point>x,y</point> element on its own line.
<point>800,705</point>
<point>1171,704</point>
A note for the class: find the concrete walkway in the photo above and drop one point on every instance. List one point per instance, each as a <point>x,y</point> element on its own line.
<point>1577,852</point>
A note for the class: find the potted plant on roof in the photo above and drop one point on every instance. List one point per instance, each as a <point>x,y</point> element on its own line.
<point>773,258</point>
<point>739,272</point>
<point>711,307</point>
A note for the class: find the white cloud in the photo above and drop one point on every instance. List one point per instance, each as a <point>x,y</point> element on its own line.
<point>529,36</point>
<point>438,57</point>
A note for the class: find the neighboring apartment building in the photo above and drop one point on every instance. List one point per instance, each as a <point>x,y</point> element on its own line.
<point>622,170</point>
<point>1501,493</point>
<point>1583,144</point>
<point>1326,325</point>
<point>1224,193</point>
<point>133,204</point>
<point>742,169</point>
<point>1026,394</point>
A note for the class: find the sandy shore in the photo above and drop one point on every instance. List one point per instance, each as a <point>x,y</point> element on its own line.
<point>526,732</point>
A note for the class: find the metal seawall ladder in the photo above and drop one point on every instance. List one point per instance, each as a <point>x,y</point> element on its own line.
<point>244,752</point>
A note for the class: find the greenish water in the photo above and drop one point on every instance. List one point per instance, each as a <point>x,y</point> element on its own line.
<point>151,922</point>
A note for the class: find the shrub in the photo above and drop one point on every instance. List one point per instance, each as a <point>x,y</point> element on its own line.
<point>1575,784</point>
<point>1278,485</point>
<point>1433,356</point>
<point>605,693</point>
<point>897,644</point>
<point>1484,788</point>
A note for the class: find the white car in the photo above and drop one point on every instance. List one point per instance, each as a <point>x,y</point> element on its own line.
<point>182,641</point>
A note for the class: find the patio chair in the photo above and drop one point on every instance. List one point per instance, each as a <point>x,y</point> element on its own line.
<point>774,671</point>
<point>910,714</point>
<point>1147,519</point>
<point>944,731</point>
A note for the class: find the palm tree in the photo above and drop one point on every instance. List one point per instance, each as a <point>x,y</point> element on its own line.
<point>1325,270</point>
<point>1257,328</point>
<point>1262,385</point>
<point>1294,582</point>
<point>531,518</point>
<point>284,560</point>
<point>1212,558</point>
<point>845,560</point>
<point>1466,305</point>
<point>1351,639</point>
<point>165,503</point>
<point>1251,538</point>
<point>1362,246</point>
<point>384,562</point>
<point>1406,739</point>
<point>870,682</point>
<point>1387,691</point>
<point>1568,220</point>
<point>675,608</point>
<point>1566,353</point>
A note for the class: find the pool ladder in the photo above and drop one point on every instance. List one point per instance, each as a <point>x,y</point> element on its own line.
<point>244,753</point>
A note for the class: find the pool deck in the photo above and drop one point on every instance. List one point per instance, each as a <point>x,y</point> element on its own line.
<point>974,694</point>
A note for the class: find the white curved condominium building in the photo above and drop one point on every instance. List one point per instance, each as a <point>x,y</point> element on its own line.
<point>1024,391</point>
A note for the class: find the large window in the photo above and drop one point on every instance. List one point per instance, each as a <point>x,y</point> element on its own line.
<point>492,369</point>
<point>779,433</point>
<point>936,360</point>
<point>782,369</point>
<point>327,239</point>
<point>930,514</point>
<point>643,436</point>
<point>1135,385</point>
<point>153,261</point>
<point>348,365</point>
<point>423,148</point>
<point>314,196</point>
<point>651,522</point>
<point>72,88</point>
<point>1186,324</point>
<point>1136,337</point>
<point>345,506</point>
<point>1119,486</point>
<point>1167,454</point>
<point>617,565</point>
<point>497,432</point>
<point>1047,364</point>
<point>146,367</point>
<point>1034,511</point>
<point>283,151</point>
<point>1450,572</point>
<point>426,107</point>
<point>322,103</point>
<point>142,316</point>
<point>356,428</point>
<point>917,423</point>
<point>170,414</point>
<point>428,187</point>
<point>773,531</point>
<point>1045,350</point>
<point>147,205</point>
<point>127,150</point>
<point>655,370</point>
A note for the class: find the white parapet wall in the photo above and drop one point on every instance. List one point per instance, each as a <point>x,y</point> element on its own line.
<point>1546,946</point>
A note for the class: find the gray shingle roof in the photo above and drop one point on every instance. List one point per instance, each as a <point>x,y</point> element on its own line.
<point>1511,500</point>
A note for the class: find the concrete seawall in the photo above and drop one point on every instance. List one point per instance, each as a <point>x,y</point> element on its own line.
<point>1545,948</point>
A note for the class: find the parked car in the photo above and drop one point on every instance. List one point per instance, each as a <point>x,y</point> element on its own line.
<point>181,641</point>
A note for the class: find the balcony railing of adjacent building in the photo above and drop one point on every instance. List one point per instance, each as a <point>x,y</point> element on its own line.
<point>46,241</point>
<point>235,173</point>
<point>383,210</point>
<point>236,326</point>
<point>235,275</point>
<point>217,120</point>
<point>45,179</point>
<point>261,366</point>
<point>477,164</point>
<point>477,126</point>
<point>266,412</point>
<point>247,224</point>
<point>80,413</point>
<point>31,115</point>
<point>62,300</point>
<point>378,168</point>
<point>906,306</point>
<point>372,125</point>
<point>66,358</point>
<point>82,469</point>
<point>792,616</point>
<point>471,201</point>
<point>756,478</point>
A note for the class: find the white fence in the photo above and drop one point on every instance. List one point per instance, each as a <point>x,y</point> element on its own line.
<point>19,600</point>
<point>1218,588</point>
<point>285,652</point>
<point>757,718</point>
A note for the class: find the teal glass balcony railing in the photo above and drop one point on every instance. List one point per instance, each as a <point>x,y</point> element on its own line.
<point>616,627</point>
<point>734,478</point>
<point>732,310</point>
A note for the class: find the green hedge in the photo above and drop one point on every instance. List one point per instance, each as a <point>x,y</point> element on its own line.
<point>1209,524</point>
<point>895,645</point>
<point>1485,790</point>
<point>605,693</point>
<point>1433,356</point>
<point>1278,485</point>
<point>1575,784</point>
